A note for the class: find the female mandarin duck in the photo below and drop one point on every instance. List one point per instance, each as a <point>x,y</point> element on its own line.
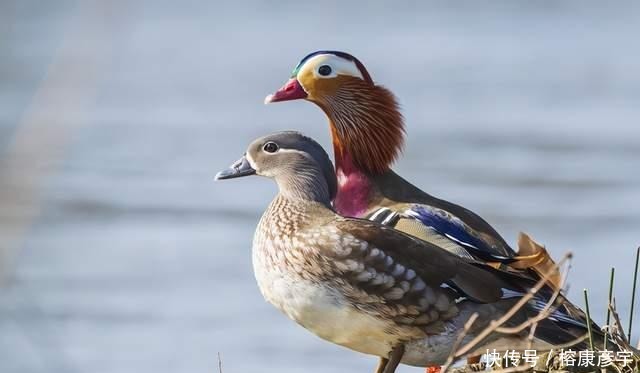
<point>367,131</point>
<point>367,286</point>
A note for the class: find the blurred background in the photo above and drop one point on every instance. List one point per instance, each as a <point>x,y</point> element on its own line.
<point>119,253</point>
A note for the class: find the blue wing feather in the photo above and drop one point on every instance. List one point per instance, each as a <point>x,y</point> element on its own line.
<point>453,228</point>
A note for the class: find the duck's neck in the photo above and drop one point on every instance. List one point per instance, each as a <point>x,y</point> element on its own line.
<point>306,185</point>
<point>359,192</point>
<point>368,132</point>
<point>355,187</point>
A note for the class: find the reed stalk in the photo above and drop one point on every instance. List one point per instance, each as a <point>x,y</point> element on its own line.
<point>586,304</point>
<point>633,292</point>
<point>611,280</point>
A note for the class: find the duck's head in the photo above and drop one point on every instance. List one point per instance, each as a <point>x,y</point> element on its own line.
<point>321,75</point>
<point>298,164</point>
<point>366,123</point>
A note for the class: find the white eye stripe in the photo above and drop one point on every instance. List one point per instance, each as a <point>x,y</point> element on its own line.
<point>339,66</point>
<point>280,150</point>
<point>285,150</point>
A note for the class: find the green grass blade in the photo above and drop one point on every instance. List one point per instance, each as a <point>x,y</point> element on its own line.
<point>633,292</point>
<point>586,304</point>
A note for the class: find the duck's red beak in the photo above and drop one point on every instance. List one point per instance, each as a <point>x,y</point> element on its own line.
<point>292,90</point>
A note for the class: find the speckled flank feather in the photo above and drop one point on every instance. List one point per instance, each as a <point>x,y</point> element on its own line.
<point>368,277</point>
<point>341,287</point>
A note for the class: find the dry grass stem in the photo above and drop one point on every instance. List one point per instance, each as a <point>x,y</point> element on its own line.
<point>507,316</point>
<point>496,325</point>
<point>467,326</point>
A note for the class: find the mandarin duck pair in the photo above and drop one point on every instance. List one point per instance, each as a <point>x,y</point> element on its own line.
<point>364,259</point>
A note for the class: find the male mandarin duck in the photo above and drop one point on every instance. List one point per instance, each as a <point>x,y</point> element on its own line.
<point>371,288</point>
<point>367,130</point>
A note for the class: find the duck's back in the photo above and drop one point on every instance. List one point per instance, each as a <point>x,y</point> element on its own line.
<point>455,228</point>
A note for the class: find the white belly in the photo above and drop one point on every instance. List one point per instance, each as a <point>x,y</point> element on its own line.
<point>324,312</point>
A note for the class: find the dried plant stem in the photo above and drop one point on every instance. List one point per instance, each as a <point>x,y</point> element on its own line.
<point>611,280</point>
<point>546,311</point>
<point>543,314</point>
<point>620,332</point>
<point>525,367</point>
<point>517,368</point>
<point>219,363</point>
<point>571,343</point>
<point>458,341</point>
<point>615,335</point>
<point>618,337</point>
<point>495,325</point>
<point>586,305</point>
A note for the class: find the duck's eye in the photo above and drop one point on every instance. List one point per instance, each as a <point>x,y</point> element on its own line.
<point>271,147</point>
<point>324,70</point>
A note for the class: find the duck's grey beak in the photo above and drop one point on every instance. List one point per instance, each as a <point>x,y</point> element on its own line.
<point>239,168</point>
